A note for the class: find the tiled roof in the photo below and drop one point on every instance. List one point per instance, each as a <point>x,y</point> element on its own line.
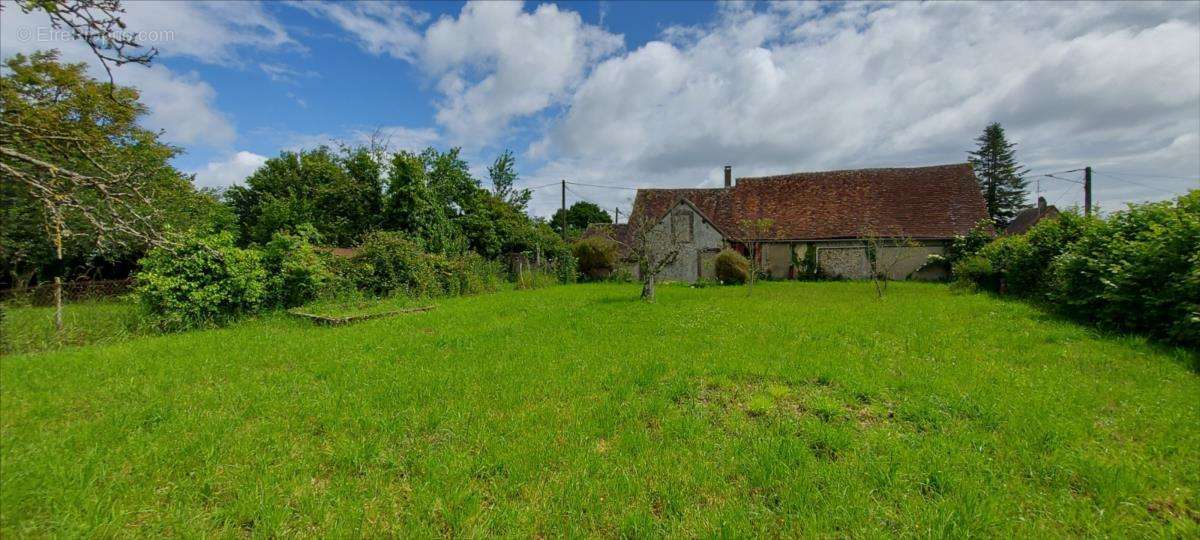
<point>715,204</point>
<point>919,202</point>
<point>616,232</point>
<point>1027,218</point>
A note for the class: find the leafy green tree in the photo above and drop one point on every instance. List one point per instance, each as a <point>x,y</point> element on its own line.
<point>357,204</point>
<point>412,204</point>
<point>1000,176</point>
<point>339,194</point>
<point>503,174</point>
<point>579,216</point>
<point>108,197</point>
<point>85,187</point>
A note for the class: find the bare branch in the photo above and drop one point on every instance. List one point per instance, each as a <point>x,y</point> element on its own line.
<point>98,24</point>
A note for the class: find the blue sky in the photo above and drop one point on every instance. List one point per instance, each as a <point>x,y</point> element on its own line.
<point>665,93</point>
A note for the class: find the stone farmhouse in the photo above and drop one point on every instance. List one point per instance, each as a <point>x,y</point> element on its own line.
<point>816,219</point>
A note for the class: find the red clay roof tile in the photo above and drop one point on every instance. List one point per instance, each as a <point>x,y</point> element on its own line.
<point>919,202</point>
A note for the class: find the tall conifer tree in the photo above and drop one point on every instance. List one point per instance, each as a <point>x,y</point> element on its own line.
<point>1000,176</point>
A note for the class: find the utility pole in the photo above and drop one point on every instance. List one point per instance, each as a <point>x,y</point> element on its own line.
<point>616,215</point>
<point>564,210</point>
<point>1087,191</point>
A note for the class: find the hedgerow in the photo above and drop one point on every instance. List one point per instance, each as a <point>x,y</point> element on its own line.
<point>1138,270</point>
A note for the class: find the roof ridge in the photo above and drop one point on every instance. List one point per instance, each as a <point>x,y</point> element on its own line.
<point>868,169</point>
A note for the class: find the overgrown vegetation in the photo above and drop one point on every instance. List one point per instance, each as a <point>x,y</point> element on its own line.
<point>1137,270</point>
<point>596,256</point>
<point>732,267</point>
<point>68,216</point>
<point>204,281</point>
<point>777,425</point>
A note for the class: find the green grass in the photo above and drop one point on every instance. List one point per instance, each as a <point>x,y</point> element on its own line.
<point>809,409</point>
<point>31,329</point>
<point>363,306</point>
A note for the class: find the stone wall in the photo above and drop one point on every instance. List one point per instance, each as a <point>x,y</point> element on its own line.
<point>848,258</point>
<point>704,239</point>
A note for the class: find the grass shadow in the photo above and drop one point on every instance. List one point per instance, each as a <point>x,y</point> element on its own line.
<point>1044,312</point>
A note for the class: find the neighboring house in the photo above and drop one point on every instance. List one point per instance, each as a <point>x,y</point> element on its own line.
<point>827,212</point>
<point>1027,218</point>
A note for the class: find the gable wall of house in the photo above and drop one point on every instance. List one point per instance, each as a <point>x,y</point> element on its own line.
<point>704,240</point>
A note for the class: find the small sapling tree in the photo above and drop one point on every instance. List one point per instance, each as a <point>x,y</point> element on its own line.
<point>653,249</point>
<point>886,253</point>
<point>755,230</point>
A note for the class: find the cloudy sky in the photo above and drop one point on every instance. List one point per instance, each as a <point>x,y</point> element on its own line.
<point>646,94</point>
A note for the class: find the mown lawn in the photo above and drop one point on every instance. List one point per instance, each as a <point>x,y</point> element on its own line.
<point>810,409</point>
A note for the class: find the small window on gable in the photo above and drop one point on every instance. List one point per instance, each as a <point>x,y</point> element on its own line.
<point>681,225</point>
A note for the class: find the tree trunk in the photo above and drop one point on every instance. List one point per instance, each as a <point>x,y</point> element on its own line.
<point>58,308</point>
<point>58,319</point>
<point>648,289</point>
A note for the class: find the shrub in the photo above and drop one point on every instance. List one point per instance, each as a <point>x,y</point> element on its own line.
<point>622,274</point>
<point>566,268</point>
<point>969,244</point>
<point>1002,254</point>
<point>732,267</point>
<point>1028,272</point>
<point>1020,264</point>
<point>977,270</point>
<point>1138,270</point>
<point>297,273</point>
<point>597,257</point>
<point>389,263</point>
<point>204,281</point>
<point>466,274</point>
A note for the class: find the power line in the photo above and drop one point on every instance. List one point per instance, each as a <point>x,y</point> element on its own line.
<point>605,187</point>
<point>581,197</point>
<point>1168,177</point>
<point>1063,179</point>
<point>1060,195</point>
<point>1111,175</point>
<point>542,186</point>
<point>1057,172</point>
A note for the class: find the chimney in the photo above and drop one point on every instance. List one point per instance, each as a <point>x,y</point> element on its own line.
<point>1041,205</point>
<point>728,176</point>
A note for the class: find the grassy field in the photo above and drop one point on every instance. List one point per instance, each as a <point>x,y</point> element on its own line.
<point>810,409</point>
<point>31,329</point>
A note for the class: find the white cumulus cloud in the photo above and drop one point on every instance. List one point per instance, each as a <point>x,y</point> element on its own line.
<point>794,88</point>
<point>229,171</point>
<point>182,105</point>
<point>492,64</point>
